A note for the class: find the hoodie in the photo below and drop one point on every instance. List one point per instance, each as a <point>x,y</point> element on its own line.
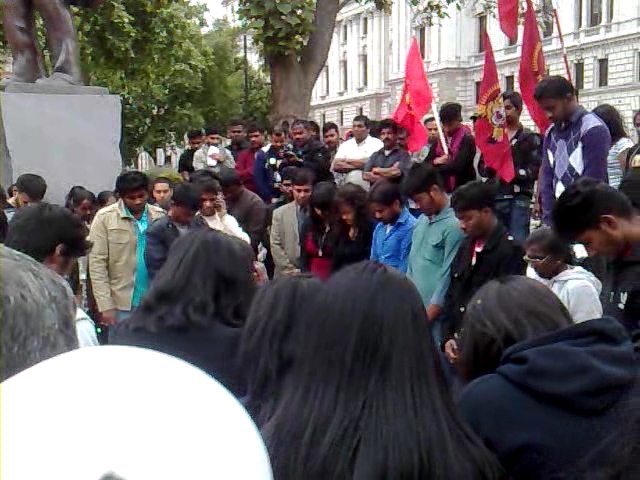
<point>579,290</point>
<point>554,399</point>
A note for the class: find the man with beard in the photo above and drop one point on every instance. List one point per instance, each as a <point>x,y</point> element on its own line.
<point>391,161</point>
<point>311,153</point>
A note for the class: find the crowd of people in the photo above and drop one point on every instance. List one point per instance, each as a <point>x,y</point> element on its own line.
<point>380,313</point>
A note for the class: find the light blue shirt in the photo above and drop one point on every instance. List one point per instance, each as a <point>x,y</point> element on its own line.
<point>435,243</point>
<point>141,279</point>
<point>392,247</point>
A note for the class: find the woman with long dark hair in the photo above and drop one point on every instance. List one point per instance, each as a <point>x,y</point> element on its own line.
<point>82,202</point>
<point>544,392</point>
<point>620,143</point>
<point>365,397</point>
<point>354,227</point>
<point>316,237</point>
<point>267,350</point>
<point>196,304</point>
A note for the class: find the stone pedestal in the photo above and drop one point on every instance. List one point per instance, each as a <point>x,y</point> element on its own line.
<point>69,135</point>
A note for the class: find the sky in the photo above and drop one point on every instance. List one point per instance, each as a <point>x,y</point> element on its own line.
<point>216,10</point>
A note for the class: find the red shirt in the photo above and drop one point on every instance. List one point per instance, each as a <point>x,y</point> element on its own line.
<point>244,167</point>
<point>319,263</point>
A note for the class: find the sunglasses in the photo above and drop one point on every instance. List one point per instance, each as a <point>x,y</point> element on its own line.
<point>532,260</point>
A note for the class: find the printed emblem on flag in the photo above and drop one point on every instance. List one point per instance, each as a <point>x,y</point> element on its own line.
<point>491,107</point>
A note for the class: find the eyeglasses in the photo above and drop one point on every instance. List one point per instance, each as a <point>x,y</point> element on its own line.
<point>532,260</point>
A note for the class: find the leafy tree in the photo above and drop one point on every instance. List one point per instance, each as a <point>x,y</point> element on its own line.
<point>295,37</point>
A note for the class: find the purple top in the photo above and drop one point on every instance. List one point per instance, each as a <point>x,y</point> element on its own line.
<point>574,149</point>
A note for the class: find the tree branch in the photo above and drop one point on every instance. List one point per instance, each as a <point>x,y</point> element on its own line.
<point>316,51</point>
<point>343,4</point>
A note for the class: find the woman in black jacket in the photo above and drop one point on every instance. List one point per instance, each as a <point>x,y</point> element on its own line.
<point>196,305</point>
<point>354,227</point>
<point>544,393</point>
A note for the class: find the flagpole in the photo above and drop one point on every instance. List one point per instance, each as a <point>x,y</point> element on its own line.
<point>436,115</point>
<point>564,50</point>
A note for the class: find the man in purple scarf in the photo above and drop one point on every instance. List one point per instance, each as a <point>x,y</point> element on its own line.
<point>575,146</point>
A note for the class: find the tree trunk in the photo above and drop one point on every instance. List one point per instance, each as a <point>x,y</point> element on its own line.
<point>294,76</point>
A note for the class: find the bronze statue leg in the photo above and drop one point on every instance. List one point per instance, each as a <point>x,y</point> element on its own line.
<point>20,31</point>
<point>62,40</point>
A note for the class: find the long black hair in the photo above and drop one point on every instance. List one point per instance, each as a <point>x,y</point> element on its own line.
<point>366,397</point>
<point>502,313</point>
<point>266,350</point>
<point>355,197</point>
<point>207,278</point>
<point>613,120</point>
<point>322,198</point>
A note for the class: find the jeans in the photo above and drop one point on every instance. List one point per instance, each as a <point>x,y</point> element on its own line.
<point>515,215</point>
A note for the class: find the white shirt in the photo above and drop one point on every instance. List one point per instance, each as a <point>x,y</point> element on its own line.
<point>227,224</point>
<point>85,330</point>
<point>352,150</point>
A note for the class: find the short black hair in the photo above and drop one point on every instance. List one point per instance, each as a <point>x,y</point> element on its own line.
<point>515,98</point>
<point>327,127</point>
<point>554,88</point>
<point>132,181</point>
<point>299,122</point>
<point>254,127</point>
<point>429,120</point>
<point>79,196</point>
<point>385,193</point>
<point>162,180</point>
<point>230,178</point>
<point>475,195</point>
<point>32,185</point>
<point>551,244</point>
<point>186,195</point>
<point>289,173</point>
<point>103,197</point>
<point>209,186</point>
<point>194,134</point>
<point>581,205</point>
<point>304,176</point>
<point>211,131</point>
<point>420,179</point>
<point>451,112</point>
<point>237,122</point>
<point>202,176</point>
<point>37,230</point>
<point>314,126</point>
<point>364,119</point>
<point>388,124</point>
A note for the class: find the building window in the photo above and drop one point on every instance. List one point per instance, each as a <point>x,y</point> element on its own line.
<point>510,83</point>
<point>344,74</point>
<point>326,80</point>
<point>477,94</point>
<point>365,26</point>
<point>364,69</point>
<point>341,118</point>
<point>579,75</point>
<point>360,111</point>
<point>421,33</point>
<point>595,12</point>
<point>345,33</point>
<point>482,26</point>
<point>548,18</point>
<point>603,72</point>
<point>610,14</point>
<point>579,13</point>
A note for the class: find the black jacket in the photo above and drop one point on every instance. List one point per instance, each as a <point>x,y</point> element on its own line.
<point>526,149</point>
<point>460,170</point>
<point>347,251</point>
<point>500,256</point>
<point>185,164</point>
<point>621,291</point>
<point>555,400</point>
<point>160,236</point>
<point>213,350</point>
<point>316,156</point>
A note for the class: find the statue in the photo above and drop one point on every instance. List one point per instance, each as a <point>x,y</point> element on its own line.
<point>19,29</point>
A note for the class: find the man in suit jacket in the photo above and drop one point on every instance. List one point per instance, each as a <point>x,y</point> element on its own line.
<point>286,224</point>
<point>162,234</point>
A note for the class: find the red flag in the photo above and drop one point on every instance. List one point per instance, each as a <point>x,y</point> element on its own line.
<point>532,67</point>
<point>491,132</point>
<point>508,13</point>
<point>416,100</point>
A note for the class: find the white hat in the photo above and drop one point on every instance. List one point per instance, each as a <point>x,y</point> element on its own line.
<point>136,413</point>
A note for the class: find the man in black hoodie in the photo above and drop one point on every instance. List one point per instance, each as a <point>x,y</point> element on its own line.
<point>312,153</point>
<point>605,222</point>
<point>487,253</point>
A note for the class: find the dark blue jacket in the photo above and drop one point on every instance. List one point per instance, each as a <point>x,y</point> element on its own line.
<point>555,400</point>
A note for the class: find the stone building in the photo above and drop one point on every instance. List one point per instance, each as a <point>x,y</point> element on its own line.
<point>365,68</point>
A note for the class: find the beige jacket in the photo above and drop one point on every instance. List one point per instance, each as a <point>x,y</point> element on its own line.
<point>285,239</point>
<point>113,257</point>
